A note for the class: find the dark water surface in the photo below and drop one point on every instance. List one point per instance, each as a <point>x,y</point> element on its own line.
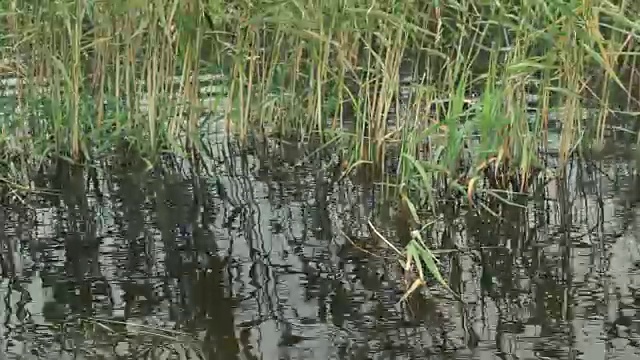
<point>254,263</point>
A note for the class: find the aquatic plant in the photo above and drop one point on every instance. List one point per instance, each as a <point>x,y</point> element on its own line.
<point>387,83</point>
<point>387,78</point>
<point>144,341</point>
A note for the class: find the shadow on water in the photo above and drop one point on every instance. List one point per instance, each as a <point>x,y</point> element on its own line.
<point>263,258</point>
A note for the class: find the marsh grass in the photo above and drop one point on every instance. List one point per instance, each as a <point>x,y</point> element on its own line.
<point>144,341</point>
<point>113,71</point>
<point>94,76</point>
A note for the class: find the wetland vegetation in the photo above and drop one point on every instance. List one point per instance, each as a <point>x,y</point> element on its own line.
<point>446,108</point>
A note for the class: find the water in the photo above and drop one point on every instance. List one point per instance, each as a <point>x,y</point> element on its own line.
<point>260,258</point>
<point>257,264</point>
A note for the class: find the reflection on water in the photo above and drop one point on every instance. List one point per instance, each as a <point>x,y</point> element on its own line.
<point>251,258</point>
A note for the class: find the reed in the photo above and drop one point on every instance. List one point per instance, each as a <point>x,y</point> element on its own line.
<point>89,77</point>
<point>102,71</point>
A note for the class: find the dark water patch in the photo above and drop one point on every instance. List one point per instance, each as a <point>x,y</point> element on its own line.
<point>265,254</point>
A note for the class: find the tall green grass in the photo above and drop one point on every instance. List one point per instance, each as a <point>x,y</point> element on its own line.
<point>302,68</point>
<point>94,77</point>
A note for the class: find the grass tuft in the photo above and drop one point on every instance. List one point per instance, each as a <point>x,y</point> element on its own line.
<point>453,99</point>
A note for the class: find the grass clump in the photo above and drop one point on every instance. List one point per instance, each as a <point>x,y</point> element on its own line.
<point>389,82</point>
<point>386,78</point>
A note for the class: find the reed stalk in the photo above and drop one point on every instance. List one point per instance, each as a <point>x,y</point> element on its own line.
<point>333,68</point>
